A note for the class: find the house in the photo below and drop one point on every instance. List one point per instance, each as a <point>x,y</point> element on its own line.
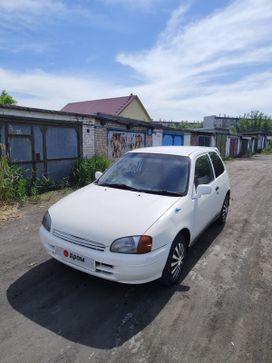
<point>220,122</point>
<point>42,142</point>
<point>129,107</point>
<point>252,142</point>
<point>170,136</point>
<point>210,137</point>
<point>48,143</point>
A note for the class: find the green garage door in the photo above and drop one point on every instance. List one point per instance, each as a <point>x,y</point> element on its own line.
<point>221,140</point>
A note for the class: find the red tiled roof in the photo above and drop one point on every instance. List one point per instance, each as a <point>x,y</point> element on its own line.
<point>111,106</point>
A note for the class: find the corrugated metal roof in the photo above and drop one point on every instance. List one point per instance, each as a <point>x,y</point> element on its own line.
<point>111,106</point>
<point>3,108</point>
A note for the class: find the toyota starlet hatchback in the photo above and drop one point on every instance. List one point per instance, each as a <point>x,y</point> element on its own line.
<point>134,224</point>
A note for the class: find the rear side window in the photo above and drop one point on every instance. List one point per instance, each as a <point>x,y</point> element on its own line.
<point>203,171</point>
<point>217,164</point>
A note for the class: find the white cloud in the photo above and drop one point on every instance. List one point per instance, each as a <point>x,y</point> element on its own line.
<point>178,71</point>
<point>37,47</point>
<point>21,19</point>
<point>141,4</point>
<point>31,5</point>
<point>40,89</point>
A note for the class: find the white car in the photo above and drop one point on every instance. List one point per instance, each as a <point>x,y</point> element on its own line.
<point>134,224</point>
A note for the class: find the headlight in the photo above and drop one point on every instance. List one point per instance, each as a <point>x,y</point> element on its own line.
<point>46,222</point>
<point>132,244</point>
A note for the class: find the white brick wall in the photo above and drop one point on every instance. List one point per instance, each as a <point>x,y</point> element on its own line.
<point>157,138</point>
<point>187,140</point>
<point>88,140</point>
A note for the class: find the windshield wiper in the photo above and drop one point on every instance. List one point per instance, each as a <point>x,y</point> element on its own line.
<point>118,186</point>
<point>163,192</point>
<point>150,191</point>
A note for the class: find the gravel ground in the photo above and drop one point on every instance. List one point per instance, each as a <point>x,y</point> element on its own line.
<point>220,312</point>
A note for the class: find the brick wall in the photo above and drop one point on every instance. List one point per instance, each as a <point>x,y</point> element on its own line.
<point>101,135</point>
<point>148,139</point>
<point>194,139</point>
<point>88,144</point>
<point>100,141</point>
<point>95,136</point>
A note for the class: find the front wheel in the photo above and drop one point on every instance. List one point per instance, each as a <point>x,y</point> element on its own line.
<point>174,265</point>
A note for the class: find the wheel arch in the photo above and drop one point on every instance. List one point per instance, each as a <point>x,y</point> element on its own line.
<point>187,235</point>
<point>228,195</point>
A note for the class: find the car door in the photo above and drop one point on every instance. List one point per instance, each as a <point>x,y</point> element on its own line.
<point>221,180</point>
<point>204,206</point>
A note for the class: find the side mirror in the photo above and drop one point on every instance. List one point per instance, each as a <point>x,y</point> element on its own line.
<point>203,189</point>
<point>97,175</point>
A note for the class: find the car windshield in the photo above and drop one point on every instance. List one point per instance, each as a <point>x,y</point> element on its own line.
<point>151,173</point>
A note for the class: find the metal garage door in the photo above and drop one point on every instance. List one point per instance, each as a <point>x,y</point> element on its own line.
<point>43,150</point>
<point>170,139</point>
<point>221,140</point>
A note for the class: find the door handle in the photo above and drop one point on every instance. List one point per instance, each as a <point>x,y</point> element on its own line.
<point>217,188</point>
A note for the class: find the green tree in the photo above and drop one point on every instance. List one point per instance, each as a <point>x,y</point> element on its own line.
<point>233,130</point>
<point>255,121</point>
<point>190,125</point>
<point>6,99</point>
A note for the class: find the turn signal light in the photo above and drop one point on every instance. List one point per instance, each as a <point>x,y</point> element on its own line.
<point>144,245</point>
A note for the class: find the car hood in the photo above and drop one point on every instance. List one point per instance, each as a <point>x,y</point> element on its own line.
<point>104,214</point>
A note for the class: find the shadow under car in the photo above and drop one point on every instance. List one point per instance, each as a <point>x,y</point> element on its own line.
<point>92,311</point>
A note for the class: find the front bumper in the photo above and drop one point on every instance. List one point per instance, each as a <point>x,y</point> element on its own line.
<point>125,268</point>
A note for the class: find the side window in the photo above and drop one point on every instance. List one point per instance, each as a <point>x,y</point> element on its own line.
<point>203,171</point>
<point>217,164</point>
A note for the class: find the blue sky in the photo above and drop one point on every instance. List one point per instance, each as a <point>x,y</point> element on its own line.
<point>184,59</point>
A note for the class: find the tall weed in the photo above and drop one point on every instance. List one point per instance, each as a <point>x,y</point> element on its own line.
<point>84,171</point>
<point>13,185</point>
<point>268,149</point>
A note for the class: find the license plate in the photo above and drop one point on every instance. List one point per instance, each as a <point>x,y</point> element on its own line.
<point>76,258</point>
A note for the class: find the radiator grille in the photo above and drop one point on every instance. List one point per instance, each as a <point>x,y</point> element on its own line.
<point>79,240</point>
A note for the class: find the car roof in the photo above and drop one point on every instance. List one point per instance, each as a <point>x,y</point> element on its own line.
<point>176,150</point>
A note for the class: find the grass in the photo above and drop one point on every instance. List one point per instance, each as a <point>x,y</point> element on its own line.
<point>9,212</point>
<point>84,172</point>
<point>14,210</point>
<point>13,186</point>
<point>268,150</point>
<point>54,195</point>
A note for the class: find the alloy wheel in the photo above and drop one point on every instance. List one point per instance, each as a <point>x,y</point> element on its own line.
<point>225,209</point>
<point>177,260</point>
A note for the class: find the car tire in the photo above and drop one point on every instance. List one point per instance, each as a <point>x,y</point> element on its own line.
<point>175,262</point>
<point>224,211</point>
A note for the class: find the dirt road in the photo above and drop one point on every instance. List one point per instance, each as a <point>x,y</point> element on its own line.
<point>221,311</point>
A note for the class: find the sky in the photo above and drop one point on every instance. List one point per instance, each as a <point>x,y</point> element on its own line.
<point>184,58</point>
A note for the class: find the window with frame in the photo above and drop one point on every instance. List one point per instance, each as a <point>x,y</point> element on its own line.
<point>204,140</point>
<point>203,170</point>
<point>217,164</point>
<point>19,129</point>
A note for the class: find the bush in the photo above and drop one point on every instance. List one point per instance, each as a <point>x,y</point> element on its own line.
<point>84,171</point>
<point>46,184</point>
<point>268,149</point>
<point>13,185</point>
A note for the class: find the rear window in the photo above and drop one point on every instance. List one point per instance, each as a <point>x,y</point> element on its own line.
<point>217,164</point>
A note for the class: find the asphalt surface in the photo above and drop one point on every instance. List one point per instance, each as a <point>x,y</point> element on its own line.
<point>220,312</point>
